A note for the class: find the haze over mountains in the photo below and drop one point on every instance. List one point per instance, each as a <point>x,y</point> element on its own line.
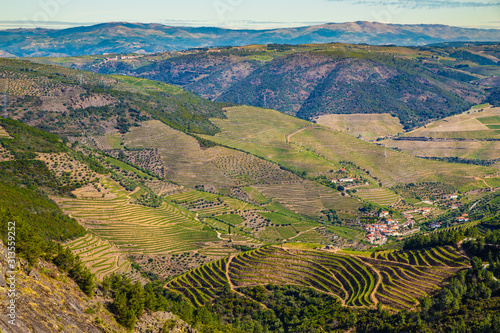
<point>122,37</point>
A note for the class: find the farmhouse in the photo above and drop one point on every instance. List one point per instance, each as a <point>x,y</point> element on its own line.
<point>425,210</point>
<point>453,197</point>
<point>384,214</point>
<point>346,180</point>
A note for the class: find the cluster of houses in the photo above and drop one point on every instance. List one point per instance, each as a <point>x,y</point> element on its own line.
<point>378,232</point>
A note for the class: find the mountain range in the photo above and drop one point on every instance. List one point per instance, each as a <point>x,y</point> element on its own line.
<point>123,37</point>
<point>415,84</point>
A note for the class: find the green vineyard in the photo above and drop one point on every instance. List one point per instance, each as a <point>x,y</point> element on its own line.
<point>396,279</point>
<point>203,284</point>
<point>379,196</point>
<point>139,229</point>
<point>100,256</point>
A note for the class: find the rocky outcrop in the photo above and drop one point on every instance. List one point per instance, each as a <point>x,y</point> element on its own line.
<point>47,301</point>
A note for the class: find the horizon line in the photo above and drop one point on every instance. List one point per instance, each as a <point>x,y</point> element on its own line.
<point>244,24</point>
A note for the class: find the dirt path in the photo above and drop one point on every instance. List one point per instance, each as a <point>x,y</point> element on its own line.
<point>233,288</point>
<point>289,135</point>
<point>377,285</point>
<point>342,301</point>
<point>220,237</point>
<point>485,183</point>
<point>300,233</point>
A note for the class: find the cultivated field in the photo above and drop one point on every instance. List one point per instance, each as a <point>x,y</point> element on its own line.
<point>67,168</point>
<point>295,143</point>
<point>183,159</point>
<point>482,150</point>
<point>102,257</point>
<point>465,135</point>
<point>379,196</point>
<point>247,169</point>
<point>309,199</point>
<point>396,279</point>
<point>250,224</point>
<point>203,284</point>
<point>397,167</point>
<point>368,127</point>
<point>472,124</point>
<point>139,229</point>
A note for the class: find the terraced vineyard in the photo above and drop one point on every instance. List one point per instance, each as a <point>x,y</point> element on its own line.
<point>134,228</point>
<point>102,257</point>
<point>250,224</point>
<point>379,196</point>
<point>208,203</point>
<point>183,159</point>
<point>3,133</point>
<point>203,284</point>
<point>396,279</point>
<point>463,226</point>
<point>309,199</point>
<point>408,276</point>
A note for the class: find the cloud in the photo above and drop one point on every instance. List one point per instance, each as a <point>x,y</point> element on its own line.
<point>428,4</point>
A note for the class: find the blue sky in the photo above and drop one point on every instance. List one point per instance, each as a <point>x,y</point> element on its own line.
<point>257,14</point>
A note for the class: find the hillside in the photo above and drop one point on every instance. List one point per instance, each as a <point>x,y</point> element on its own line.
<point>153,209</point>
<point>367,127</point>
<point>123,37</point>
<point>472,135</point>
<point>414,84</point>
<point>316,150</point>
<point>64,101</point>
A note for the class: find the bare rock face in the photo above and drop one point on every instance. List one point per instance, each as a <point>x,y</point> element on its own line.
<point>35,275</point>
<point>2,276</point>
<point>47,301</point>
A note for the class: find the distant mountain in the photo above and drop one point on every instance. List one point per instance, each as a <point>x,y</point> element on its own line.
<point>416,84</point>
<point>122,37</point>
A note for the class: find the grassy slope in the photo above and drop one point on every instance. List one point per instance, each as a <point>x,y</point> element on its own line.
<point>265,134</point>
<point>367,126</point>
<point>476,126</point>
<point>471,124</point>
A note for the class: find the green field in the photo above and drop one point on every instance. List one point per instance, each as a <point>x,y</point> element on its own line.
<point>126,167</point>
<point>489,120</point>
<point>295,143</point>
<point>364,126</point>
<point>379,196</point>
<point>138,229</point>
<point>115,140</point>
<point>396,279</point>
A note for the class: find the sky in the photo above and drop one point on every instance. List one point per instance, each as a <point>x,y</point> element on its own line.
<point>253,14</point>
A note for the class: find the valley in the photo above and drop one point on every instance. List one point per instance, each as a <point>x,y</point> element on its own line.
<point>144,192</point>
